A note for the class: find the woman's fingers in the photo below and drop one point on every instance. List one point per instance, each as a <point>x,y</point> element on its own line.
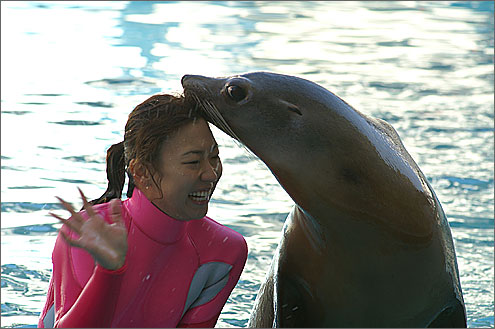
<point>66,205</point>
<point>116,212</point>
<point>76,222</point>
<point>75,216</point>
<point>71,224</point>
<point>86,205</point>
<point>62,220</point>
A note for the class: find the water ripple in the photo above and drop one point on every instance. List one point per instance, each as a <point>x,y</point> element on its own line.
<point>77,123</point>
<point>25,207</point>
<point>10,309</point>
<point>67,180</point>
<point>28,187</point>
<point>86,159</point>
<point>96,104</point>
<point>36,230</point>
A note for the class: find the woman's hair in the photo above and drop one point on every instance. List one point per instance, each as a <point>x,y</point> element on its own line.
<point>147,127</point>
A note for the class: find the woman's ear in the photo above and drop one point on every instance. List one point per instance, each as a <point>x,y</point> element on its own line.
<point>140,174</point>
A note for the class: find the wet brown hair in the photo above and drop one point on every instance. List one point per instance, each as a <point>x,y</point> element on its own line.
<point>148,126</point>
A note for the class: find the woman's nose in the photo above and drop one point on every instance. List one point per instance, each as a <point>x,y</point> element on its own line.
<point>210,172</point>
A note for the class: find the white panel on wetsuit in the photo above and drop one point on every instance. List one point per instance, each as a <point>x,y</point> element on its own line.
<point>208,281</point>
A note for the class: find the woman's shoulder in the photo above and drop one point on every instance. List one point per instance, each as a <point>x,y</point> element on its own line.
<point>103,209</point>
<point>218,230</point>
<point>211,237</point>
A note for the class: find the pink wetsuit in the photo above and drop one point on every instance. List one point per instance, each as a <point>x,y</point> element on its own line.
<point>176,274</point>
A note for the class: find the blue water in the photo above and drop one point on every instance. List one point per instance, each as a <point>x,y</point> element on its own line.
<point>72,71</point>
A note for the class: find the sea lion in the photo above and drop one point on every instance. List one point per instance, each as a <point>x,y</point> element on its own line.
<point>367,243</point>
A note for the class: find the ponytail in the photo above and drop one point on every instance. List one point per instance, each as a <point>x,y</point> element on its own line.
<point>115,174</point>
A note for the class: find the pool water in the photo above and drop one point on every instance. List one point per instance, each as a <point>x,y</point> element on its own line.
<point>72,71</point>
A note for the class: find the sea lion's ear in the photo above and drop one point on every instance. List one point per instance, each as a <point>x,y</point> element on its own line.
<point>291,107</point>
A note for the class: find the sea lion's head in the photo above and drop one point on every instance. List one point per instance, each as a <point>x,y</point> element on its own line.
<point>289,112</point>
<point>326,155</point>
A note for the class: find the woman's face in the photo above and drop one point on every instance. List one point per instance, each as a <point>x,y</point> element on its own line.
<point>190,169</point>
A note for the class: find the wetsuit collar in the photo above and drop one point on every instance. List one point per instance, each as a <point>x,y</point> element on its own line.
<point>153,222</point>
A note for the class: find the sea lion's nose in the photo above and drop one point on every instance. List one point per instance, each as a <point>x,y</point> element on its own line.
<point>192,77</point>
<point>184,78</point>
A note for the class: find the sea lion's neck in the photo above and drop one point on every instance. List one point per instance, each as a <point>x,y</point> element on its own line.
<point>361,170</point>
<point>384,140</point>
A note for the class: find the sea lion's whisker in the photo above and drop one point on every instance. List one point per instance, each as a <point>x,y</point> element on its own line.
<point>213,111</point>
<point>214,116</point>
<point>220,121</point>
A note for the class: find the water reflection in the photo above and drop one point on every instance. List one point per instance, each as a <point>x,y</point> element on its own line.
<point>426,67</point>
<point>142,35</point>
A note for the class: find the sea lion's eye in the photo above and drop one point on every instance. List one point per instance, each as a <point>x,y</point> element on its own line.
<point>236,93</point>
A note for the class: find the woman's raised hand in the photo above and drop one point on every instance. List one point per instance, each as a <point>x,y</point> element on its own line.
<point>107,243</point>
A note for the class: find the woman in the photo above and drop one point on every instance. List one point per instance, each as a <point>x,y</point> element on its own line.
<point>155,259</point>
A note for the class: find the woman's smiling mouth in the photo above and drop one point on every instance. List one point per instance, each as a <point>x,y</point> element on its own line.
<point>200,197</point>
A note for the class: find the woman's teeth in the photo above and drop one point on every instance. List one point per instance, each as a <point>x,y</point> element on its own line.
<point>200,195</point>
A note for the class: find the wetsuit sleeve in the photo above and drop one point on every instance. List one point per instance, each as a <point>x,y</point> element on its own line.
<point>206,315</point>
<point>95,306</point>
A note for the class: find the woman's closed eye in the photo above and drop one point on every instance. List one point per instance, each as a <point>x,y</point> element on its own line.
<point>192,159</point>
<point>191,162</point>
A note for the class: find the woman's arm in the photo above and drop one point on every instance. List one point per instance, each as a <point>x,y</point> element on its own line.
<point>79,301</point>
<point>95,306</point>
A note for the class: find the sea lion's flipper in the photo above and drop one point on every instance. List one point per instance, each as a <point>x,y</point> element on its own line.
<point>292,296</point>
<point>262,312</point>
